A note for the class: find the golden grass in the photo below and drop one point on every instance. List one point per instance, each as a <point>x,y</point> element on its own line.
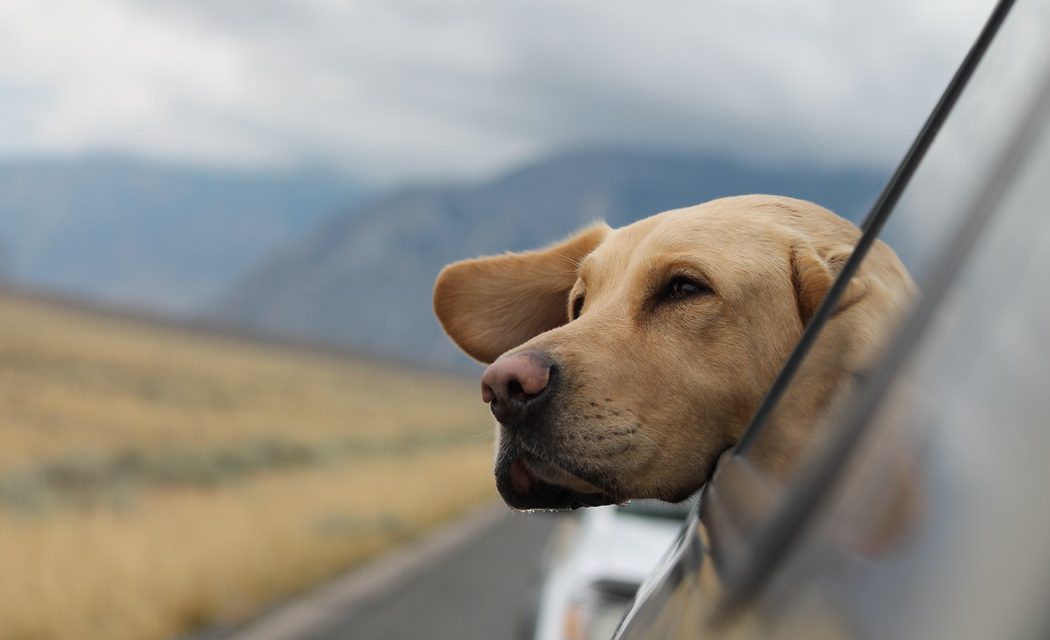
<point>171,557</point>
<point>74,382</point>
<point>188,557</point>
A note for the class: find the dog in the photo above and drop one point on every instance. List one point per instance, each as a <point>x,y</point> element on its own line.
<point>625,361</point>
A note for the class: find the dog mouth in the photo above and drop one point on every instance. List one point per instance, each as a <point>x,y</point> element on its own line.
<point>526,481</point>
<point>528,468</point>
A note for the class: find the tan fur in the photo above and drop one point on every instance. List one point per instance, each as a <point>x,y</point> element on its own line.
<point>654,392</point>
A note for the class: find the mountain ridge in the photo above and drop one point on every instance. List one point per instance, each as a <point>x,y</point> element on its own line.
<point>154,235</point>
<point>364,278</point>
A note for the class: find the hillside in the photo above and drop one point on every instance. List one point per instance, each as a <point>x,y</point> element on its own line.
<point>156,479</point>
<point>150,235</point>
<point>364,279</point>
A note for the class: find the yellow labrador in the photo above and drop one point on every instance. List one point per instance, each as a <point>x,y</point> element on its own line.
<point>625,361</point>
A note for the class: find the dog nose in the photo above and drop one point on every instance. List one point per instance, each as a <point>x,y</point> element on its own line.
<point>512,384</point>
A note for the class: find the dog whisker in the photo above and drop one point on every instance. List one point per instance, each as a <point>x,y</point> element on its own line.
<point>574,262</point>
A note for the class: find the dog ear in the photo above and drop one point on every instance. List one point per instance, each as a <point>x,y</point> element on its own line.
<point>812,275</point>
<point>493,304</point>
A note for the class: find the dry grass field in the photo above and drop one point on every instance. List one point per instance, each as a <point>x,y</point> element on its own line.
<point>154,480</point>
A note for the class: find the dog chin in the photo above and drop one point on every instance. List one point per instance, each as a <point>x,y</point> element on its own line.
<point>526,482</point>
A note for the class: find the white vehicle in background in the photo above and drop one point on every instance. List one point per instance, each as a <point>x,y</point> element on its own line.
<point>596,560</point>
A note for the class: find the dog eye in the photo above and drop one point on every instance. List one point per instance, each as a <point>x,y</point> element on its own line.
<point>577,307</point>
<point>683,287</point>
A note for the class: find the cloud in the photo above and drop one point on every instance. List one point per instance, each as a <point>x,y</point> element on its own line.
<point>400,89</point>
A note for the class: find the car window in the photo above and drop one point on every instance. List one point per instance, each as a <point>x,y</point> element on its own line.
<point>983,123</point>
<point>931,202</point>
<point>963,165</point>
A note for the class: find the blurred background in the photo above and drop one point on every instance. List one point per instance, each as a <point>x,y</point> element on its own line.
<point>220,379</point>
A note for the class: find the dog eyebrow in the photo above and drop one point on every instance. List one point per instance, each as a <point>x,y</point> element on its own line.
<point>681,265</point>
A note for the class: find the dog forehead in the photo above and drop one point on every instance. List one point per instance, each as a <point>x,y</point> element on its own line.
<point>614,255</point>
<point>703,232</point>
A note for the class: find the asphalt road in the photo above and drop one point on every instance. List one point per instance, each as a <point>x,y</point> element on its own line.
<point>477,590</point>
<point>471,580</point>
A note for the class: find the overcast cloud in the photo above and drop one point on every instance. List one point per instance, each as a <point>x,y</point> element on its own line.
<point>410,89</point>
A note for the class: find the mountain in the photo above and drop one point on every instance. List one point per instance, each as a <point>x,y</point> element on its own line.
<point>364,279</point>
<point>150,235</point>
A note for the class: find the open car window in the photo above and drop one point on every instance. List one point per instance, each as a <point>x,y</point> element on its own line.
<point>915,214</point>
<point>774,541</point>
<point>925,197</point>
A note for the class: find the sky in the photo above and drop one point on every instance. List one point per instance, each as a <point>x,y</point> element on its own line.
<point>405,90</point>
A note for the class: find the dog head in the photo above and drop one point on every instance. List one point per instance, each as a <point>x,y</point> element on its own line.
<point>625,361</point>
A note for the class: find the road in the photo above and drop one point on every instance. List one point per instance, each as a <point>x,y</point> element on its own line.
<point>470,581</point>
